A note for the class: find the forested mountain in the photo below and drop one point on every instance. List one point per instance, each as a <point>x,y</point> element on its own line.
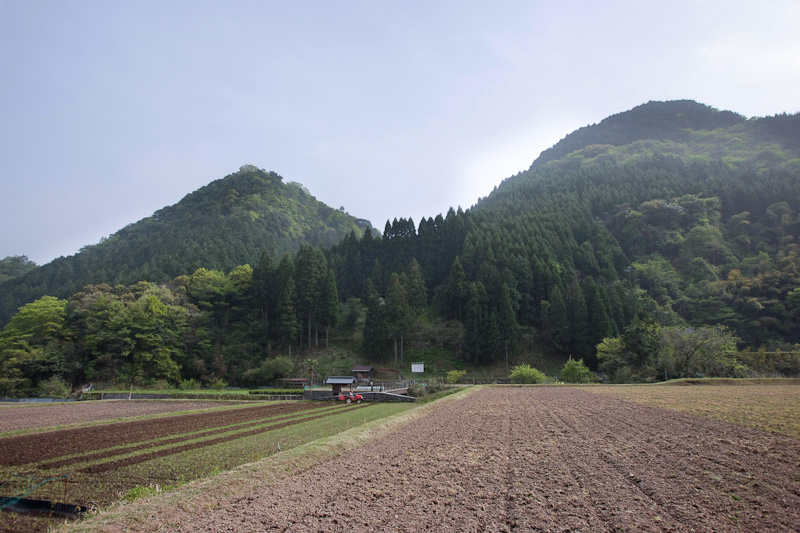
<point>672,212</point>
<point>661,242</point>
<point>15,266</point>
<point>227,223</point>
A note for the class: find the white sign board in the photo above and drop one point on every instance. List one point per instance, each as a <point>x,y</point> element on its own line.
<point>418,367</point>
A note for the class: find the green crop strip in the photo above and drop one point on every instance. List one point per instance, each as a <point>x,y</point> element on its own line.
<point>198,463</point>
<point>198,458</point>
<point>129,449</point>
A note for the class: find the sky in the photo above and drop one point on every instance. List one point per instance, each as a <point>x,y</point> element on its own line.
<point>111,110</point>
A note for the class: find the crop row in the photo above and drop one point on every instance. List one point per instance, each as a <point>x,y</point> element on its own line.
<point>105,463</point>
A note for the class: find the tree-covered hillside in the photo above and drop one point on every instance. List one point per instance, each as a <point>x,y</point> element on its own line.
<point>220,226</point>
<point>15,266</point>
<point>659,243</point>
<point>672,211</point>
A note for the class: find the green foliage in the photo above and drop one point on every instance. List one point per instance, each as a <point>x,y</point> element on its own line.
<point>217,384</point>
<point>145,491</point>
<point>272,369</point>
<point>454,376</point>
<point>189,384</point>
<point>645,352</point>
<point>221,226</point>
<point>428,398</point>
<point>526,374</point>
<point>426,388</point>
<point>618,246</point>
<point>33,347</point>
<point>15,266</point>
<point>54,387</point>
<point>708,351</point>
<point>576,372</point>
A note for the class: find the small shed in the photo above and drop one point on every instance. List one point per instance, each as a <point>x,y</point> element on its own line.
<point>364,373</point>
<point>336,383</point>
<point>293,383</point>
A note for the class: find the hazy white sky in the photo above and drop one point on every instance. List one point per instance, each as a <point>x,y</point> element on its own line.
<point>110,110</point>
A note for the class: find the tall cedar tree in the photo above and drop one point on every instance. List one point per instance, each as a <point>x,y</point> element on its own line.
<point>398,312</point>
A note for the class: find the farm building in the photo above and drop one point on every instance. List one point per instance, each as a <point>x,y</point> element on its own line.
<point>364,374</point>
<point>336,383</point>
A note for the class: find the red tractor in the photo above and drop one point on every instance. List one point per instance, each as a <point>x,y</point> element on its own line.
<point>349,398</point>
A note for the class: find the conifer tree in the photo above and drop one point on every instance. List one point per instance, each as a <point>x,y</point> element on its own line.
<point>310,270</point>
<point>415,286</point>
<point>288,324</point>
<point>329,308</point>
<point>509,327</point>
<point>398,312</point>
<point>456,292</point>
<point>265,290</point>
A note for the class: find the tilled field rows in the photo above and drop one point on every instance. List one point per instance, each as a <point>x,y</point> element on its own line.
<point>535,459</point>
<point>15,417</point>
<point>36,447</point>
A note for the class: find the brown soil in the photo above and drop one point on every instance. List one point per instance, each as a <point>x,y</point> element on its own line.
<point>527,459</point>
<point>14,417</point>
<point>35,447</point>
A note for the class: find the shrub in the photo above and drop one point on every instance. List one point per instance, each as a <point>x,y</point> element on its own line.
<point>454,376</point>
<point>527,374</point>
<point>576,372</point>
<point>424,388</point>
<point>189,384</point>
<point>54,387</point>
<point>217,384</point>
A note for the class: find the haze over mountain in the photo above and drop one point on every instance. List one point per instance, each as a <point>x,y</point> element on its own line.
<point>112,110</point>
<point>671,215</point>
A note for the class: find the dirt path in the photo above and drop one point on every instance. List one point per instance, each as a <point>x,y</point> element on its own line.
<point>527,459</point>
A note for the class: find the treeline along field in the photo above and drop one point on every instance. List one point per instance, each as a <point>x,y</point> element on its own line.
<point>669,221</point>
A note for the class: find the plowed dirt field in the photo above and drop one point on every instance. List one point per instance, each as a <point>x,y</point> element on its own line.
<point>17,416</point>
<point>524,459</point>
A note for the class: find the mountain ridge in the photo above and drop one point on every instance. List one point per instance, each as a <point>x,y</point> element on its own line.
<point>221,225</point>
<point>663,224</point>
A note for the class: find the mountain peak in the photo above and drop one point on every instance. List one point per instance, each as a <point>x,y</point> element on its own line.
<point>654,120</point>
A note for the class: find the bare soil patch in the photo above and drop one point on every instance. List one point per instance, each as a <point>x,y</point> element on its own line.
<point>14,417</point>
<point>526,459</point>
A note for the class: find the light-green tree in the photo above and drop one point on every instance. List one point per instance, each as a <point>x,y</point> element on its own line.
<point>454,376</point>
<point>526,374</point>
<point>574,371</point>
<point>31,346</point>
